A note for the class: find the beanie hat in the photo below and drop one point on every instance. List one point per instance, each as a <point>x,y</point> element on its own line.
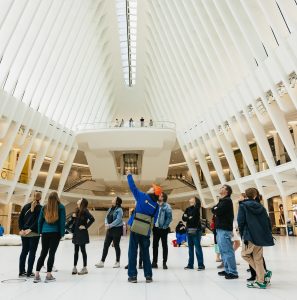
<point>157,190</point>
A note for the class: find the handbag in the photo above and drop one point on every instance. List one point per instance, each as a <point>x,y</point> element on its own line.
<point>142,224</point>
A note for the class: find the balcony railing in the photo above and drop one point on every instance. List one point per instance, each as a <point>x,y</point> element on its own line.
<point>133,124</point>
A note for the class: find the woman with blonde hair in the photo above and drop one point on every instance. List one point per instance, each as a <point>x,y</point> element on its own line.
<point>28,225</point>
<point>51,225</point>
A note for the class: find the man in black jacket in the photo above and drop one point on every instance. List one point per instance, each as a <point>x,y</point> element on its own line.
<point>192,217</point>
<point>224,228</point>
<point>255,229</point>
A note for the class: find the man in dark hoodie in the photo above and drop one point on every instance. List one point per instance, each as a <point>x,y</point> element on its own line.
<point>255,230</point>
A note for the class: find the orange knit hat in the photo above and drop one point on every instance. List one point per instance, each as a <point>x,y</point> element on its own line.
<point>157,190</point>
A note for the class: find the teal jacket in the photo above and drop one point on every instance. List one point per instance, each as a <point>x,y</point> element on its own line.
<point>58,226</point>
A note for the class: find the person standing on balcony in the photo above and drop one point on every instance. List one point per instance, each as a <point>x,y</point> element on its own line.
<point>192,218</point>
<point>142,221</point>
<point>114,226</point>
<point>141,122</point>
<point>122,123</point>
<point>161,230</point>
<point>224,228</point>
<point>151,123</point>
<point>80,221</point>
<point>28,225</point>
<point>131,123</point>
<point>116,124</point>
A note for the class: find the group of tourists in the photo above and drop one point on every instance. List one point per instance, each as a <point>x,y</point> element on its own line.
<point>131,123</point>
<point>151,215</point>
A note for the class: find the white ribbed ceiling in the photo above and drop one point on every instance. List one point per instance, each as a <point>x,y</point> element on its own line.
<point>64,57</point>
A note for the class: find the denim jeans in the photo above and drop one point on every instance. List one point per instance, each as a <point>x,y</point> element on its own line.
<point>194,241</point>
<point>224,240</point>
<point>29,246</point>
<point>144,244</point>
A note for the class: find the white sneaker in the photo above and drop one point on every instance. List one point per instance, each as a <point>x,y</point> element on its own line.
<point>83,271</point>
<point>117,265</point>
<point>50,278</point>
<point>100,264</point>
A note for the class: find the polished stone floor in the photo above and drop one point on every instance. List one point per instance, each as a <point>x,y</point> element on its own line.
<point>174,283</point>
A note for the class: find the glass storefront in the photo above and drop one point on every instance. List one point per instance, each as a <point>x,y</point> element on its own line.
<point>277,215</point>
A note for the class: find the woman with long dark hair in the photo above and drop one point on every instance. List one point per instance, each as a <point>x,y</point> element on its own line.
<point>28,225</point>
<point>114,226</point>
<point>81,220</point>
<point>51,225</point>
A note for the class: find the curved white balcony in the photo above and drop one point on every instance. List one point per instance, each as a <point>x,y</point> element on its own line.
<point>106,146</point>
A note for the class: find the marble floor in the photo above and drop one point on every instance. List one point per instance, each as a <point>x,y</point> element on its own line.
<point>174,283</point>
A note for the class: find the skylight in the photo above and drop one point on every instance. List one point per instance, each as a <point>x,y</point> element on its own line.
<point>127,19</point>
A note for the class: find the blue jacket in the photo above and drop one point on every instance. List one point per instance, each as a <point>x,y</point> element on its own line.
<point>117,217</point>
<point>254,224</point>
<point>58,226</point>
<point>1,230</point>
<point>144,204</point>
<point>164,217</point>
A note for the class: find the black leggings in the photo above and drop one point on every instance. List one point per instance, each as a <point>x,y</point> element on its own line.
<point>83,252</point>
<point>49,242</point>
<point>113,235</point>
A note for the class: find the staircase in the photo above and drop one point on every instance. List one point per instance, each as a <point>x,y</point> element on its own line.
<point>188,183</point>
<point>74,184</point>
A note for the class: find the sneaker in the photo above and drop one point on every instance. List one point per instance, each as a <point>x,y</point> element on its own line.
<point>140,267</point>
<point>220,266</point>
<point>132,279</point>
<point>154,265</point>
<point>116,265</point>
<point>83,271</point>
<point>148,279</point>
<point>231,276</point>
<point>251,279</point>
<point>201,268</point>
<point>74,271</point>
<point>267,277</point>
<point>126,267</point>
<point>22,274</point>
<point>37,279</point>
<point>188,268</point>
<point>218,260</point>
<point>222,273</point>
<point>32,275</point>
<point>256,285</point>
<point>50,278</point>
<point>100,264</point>
<point>165,267</point>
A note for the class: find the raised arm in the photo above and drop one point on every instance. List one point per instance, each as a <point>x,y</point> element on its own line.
<point>133,188</point>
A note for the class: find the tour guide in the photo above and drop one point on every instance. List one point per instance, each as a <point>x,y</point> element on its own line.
<point>141,223</point>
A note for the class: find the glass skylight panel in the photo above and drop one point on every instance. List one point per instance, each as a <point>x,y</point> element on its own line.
<point>127,19</point>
